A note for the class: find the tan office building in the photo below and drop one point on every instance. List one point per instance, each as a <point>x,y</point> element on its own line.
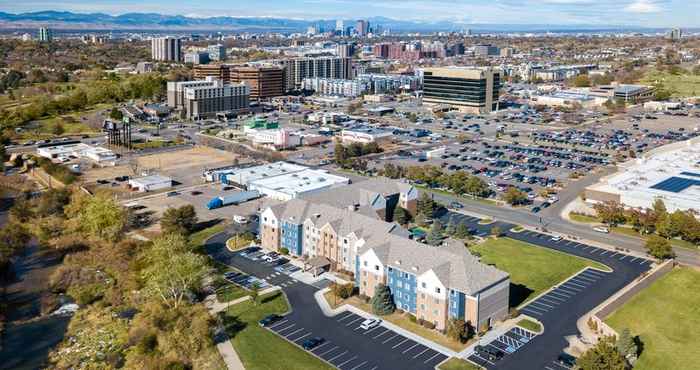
<point>468,89</point>
<point>265,82</point>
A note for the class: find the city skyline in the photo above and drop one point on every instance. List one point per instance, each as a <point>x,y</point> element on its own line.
<point>646,13</point>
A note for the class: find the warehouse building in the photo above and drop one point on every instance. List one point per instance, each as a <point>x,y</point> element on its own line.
<point>670,173</point>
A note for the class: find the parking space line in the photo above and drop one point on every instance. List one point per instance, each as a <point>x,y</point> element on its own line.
<point>321,345</point>
<point>482,359</point>
<point>558,294</point>
<point>333,349</point>
<point>543,304</point>
<point>623,257</point>
<point>428,360</point>
<point>277,324</point>
<point>302,337</point>
<point>410,348</point>
<point>532,312</point>
<point>595,272</point>
<point>567,288</point>
<point>424,351</point>
<point>345,317</point>
<point>389,340</point>
<point>371,330</point>
<point>547,299</point>
<point>336,356</point>
<point>613,255</point>
<point>294,332</point>
<point>356,320</point>
<point>352,359</point>
<point>606,251</point>
<point>588,278</point>
<point>400,343</point>
<point>358,366</point>
<point>634,259</point>
<point>384,332</point>
<point>642,261</point>
<point>594,250</point>
<point>572,282</point>
<point>287,327</point>
<point>552,296</point>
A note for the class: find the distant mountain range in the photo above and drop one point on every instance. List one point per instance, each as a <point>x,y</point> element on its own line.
<point>155,22</point>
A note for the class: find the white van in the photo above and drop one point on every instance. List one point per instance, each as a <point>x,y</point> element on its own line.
<point>601,229</point>
<point>240,219</point>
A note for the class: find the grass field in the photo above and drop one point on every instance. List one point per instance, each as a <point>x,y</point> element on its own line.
<point>530,325</point>
<point>666,317</point>
<point>230,292</point>
<point>455,363</point>
<point>679,85</point>
<point>583,218</point>
<point>532,269</point>
<point>259,348</point>
<point>198,238</point>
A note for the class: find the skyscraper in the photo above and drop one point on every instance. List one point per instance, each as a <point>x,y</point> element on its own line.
<point>217,52</point>
<point>166,49</point>
<point>296,70</point>
<point>674,34</point>
<point>340,27</point>
<point>362,27</point>
<point>45,34</point>
<point>469,89</point>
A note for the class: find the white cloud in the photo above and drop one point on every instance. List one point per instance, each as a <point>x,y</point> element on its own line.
<point>643,6</point>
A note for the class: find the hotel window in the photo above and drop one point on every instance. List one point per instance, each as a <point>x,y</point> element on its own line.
<point>422,307</point>
<point>365,263</point>
<point>376,267</point>
<point>437,290</point>
<point>435,312</point>
<point>423,285</point>
<point>422,295</point>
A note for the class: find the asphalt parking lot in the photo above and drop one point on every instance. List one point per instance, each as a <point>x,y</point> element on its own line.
<point>346,346</point>
<point>508,343</point>
<point>559,309</point>
<point>381,338</point>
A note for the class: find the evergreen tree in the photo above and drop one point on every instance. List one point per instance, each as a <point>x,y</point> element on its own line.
<point>462,231</point>
<point>626,345</point>
<point>426,205</point>
<point>434,236</point>
<point>603,356</point>
<point>401,216</point>
<point>382,301</point>
<point>451,227</point>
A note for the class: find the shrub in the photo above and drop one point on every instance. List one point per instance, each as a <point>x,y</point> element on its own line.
<point>284,251</point>
<point>428,325</point>
<point>86,294</point>
<point>412,318</point>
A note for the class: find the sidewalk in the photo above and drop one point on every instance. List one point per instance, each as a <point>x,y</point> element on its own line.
<point>214,306</point>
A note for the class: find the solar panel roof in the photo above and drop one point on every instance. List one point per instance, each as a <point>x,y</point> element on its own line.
<point>676,184</point>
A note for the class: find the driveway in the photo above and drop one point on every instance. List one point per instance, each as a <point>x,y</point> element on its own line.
<point>560,308</point>
<point>346,345</point>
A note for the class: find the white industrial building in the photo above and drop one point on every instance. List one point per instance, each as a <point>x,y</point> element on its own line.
<point>293,185</point>
<point>671,173</point>
<point>151,183</point>
<point>65,152</point>
<point>365,136</point>
<point>282,180</point>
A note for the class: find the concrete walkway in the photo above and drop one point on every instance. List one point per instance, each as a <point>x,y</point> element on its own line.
<point>214,306</point>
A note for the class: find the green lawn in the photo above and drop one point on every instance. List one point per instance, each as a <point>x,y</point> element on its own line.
<point>260,349</point>
<point>230,292</point>
<point>583,218</point>
<point>679,85</point>
<point>455,363</point>
<point>198,238</point>
<point>666,317</point>
<point>532,269</point>
<point>530,325</point>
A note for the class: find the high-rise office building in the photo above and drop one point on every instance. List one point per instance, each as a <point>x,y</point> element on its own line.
<point>340,27</point>
<point>345,50</point>
<point>296,70</point>
<point>362,27</point>
<point>484,50</point>
<point>468,89</point>
<point>217,52</point>
<point>45,34</point>
<point>202,99</point>
<point>167,49</point>
<point>199,57</point>
<point>674,34</point>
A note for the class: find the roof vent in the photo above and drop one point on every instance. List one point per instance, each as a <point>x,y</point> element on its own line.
<point>398,262</point>
<point>414,268</point>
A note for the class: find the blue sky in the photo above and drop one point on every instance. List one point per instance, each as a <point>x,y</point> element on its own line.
<point>652,13</point>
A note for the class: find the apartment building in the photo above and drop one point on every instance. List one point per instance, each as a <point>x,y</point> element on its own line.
<point>202,99</point>
<point>468,89</point>
<point>298,69</point>
<point>167,49</point>
<point>265,82</point>
<point>432,283</point>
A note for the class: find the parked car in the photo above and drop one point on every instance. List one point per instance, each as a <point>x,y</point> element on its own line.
<point>370,323</point>
<point>271,257</point>
<point>456,205</point>
<point>556,238</point>
<point>566,360</point>
<point>536,209</point>
<point>240,219</point>
<point>269,320</point>
<point>489,353</point>
<point>312,343</point>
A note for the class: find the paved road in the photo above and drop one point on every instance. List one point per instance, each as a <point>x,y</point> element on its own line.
<point>556,224</point>
<point>573,299</point>
<point>347,346</point>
